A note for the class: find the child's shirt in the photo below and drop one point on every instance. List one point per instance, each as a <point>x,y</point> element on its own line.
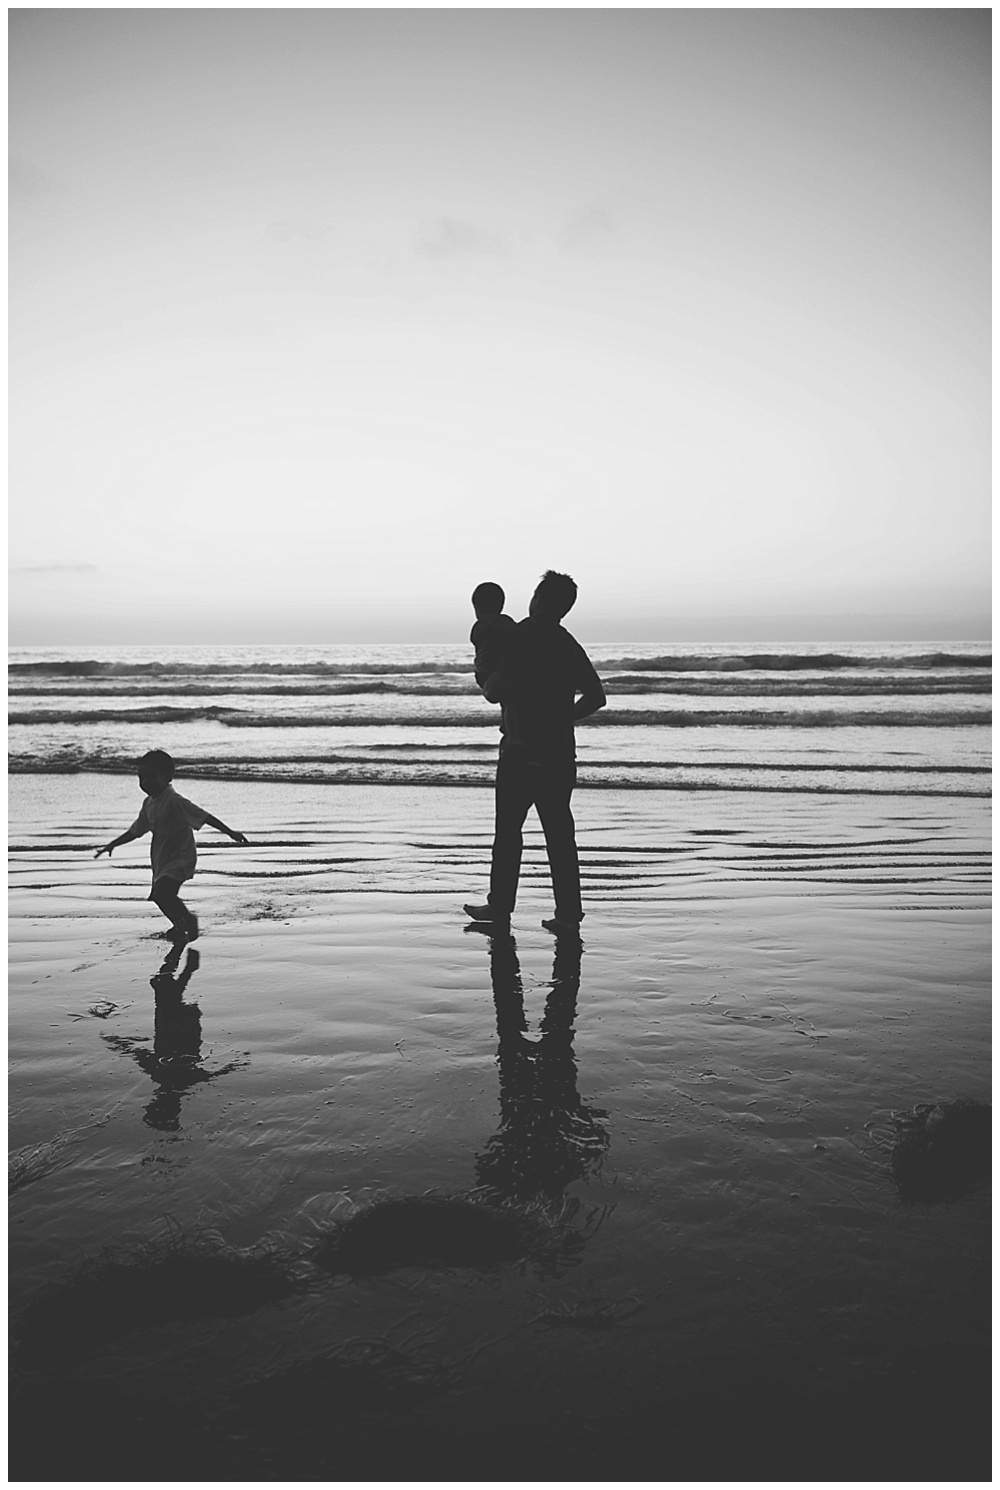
<point>171,819</point>
<point>489,636</point>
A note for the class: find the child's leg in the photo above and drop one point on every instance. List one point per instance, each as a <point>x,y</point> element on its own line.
<point>165,895</point>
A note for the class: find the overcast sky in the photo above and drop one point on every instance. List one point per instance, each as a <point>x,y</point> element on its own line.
<point>320,317</point>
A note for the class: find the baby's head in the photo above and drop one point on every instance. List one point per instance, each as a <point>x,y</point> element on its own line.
<point>156,772</point>
<point>487,600</point>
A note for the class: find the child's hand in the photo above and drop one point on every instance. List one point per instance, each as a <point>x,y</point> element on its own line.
<point>239,838</point>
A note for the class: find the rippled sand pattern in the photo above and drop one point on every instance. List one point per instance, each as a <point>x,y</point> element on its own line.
<point>701,1099</point>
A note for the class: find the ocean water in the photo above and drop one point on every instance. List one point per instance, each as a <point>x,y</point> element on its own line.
<point>786,947</point>
<point>897,719</point>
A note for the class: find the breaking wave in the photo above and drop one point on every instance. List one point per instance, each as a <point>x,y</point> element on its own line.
<point>84,668</point>
<point>700,662</point>
<point>797,661</point>
<point>905,719</point>
<point>668,718</point>
<point>345,770</point>
<point>724,685</point>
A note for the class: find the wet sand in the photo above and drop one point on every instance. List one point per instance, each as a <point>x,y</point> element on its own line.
<point>703,1096</point>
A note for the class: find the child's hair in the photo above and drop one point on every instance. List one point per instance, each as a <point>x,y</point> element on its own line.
<point>558,591</point>
<point>488,597</point>
<point>158,761</point>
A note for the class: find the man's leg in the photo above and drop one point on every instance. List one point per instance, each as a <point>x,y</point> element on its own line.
<point>514,795</point>
<point>552,800</point>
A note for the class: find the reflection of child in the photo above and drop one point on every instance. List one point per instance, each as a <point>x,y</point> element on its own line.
<point>171,819</point>
<point>491,631</point>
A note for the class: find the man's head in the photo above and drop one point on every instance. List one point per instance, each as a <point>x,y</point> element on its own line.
<point>487,599</point>
<point>554,596</point>
<point>156,771</point>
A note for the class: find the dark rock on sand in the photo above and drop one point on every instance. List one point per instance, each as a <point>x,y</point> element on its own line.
<point>430,1231</point>
<point>943,1150</point>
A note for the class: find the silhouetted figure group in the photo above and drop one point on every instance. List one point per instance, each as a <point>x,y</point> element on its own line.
<point>544,682</point>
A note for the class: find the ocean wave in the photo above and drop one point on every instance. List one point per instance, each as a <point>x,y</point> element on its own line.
<point>243,689</point>
<point>156,714</point>
<point>380,757</point>
<point>90,668</point>
<point>724,685</point>
<point>784,662</point>
<point>736,685</point>
<point>664,718</point>
<point>823,780</point>
<point>795,718</point>
<point>701,662</point>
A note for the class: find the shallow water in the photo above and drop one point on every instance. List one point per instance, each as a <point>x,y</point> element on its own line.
<point>896,719</point>
<point>763,981</point>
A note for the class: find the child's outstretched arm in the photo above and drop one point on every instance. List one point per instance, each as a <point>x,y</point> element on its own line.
<point>108,848</point>
<point>215,822</point>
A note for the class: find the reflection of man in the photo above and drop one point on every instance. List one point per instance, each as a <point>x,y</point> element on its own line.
<point>545,683</point>
<point>548,1137</point>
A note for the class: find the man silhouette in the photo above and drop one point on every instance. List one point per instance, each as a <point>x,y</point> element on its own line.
<point>544,682</point>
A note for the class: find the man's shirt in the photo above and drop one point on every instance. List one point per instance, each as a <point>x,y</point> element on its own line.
<point>546,668</point>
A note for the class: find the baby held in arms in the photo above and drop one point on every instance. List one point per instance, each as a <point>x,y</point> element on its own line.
<point>489,635</point>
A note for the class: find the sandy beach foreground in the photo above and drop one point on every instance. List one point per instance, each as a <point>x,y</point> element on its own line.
<point>699,1104</point>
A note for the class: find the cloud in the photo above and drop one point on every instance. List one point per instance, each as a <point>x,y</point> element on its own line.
<point>452,238</point>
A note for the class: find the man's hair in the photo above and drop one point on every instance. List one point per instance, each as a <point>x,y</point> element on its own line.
<point>488,597</point>
<point>557,592</point>
<point>158,761</point>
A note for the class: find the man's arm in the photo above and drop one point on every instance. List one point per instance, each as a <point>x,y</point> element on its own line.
<point>589,686</point>
<point>592,699</point>
<point>215,822</point>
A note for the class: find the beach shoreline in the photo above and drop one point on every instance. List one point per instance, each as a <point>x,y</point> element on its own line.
<point>764,983</point>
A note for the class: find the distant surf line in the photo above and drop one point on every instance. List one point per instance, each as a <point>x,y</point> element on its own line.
<point>265,773</point>
<point>726,685</point>
<point>671,718</point>
<point>27,764</point>
<point>666,662</point>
